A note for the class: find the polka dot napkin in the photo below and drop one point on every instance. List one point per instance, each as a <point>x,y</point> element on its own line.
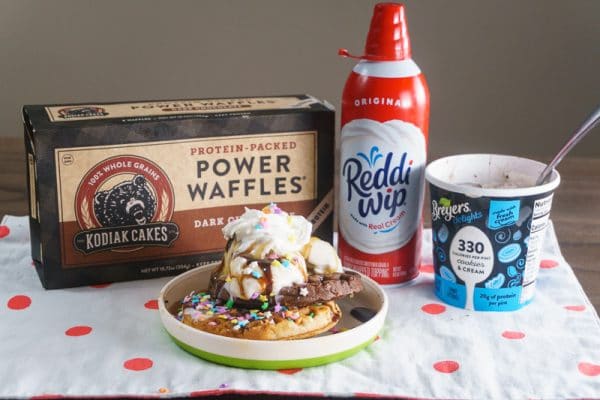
<point>107,340</point>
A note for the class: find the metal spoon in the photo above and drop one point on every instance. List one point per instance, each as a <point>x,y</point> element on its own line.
<point>583,130</point>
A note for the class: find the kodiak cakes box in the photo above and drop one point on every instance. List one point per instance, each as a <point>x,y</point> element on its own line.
<point>122,191</point>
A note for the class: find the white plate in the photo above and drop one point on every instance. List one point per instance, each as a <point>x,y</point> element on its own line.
<point>352,337</point>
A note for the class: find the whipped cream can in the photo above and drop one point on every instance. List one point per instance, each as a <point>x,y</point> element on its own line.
<point>385,112</point>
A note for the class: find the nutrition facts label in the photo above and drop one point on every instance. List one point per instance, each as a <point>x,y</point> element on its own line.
<point>541,214</point>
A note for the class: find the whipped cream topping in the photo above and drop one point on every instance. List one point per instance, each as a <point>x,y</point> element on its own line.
<point>268,230</point>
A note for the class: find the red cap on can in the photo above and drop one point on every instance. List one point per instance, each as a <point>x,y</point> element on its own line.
<point>388,35</point>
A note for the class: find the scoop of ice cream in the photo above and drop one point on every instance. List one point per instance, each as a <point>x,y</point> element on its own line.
<point>321,257</point>
<point>248,279</point>
<point>264,252</point>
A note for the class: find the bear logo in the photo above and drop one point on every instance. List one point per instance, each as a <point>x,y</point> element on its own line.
<point>127,203</point>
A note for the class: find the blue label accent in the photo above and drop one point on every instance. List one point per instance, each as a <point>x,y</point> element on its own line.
<point>496,282</point>
<point>503,213</point>
<point>509,253</point>
<point>450,292</point>
<point>443,233</point>
<point>447,274</point>
<point>506,299</point>
<point>467,218</point>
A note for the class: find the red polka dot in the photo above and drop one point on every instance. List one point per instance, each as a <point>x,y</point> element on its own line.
<point>80,330</point>
<point>433,308</point>
<point>513,335</point>
<point>100,286</point>
<point>547,264</point>
<point>151,304</point>
<point>290,371</point>
<point>427,268</point>
<point>575,308</point>
<point>138,364</point>
<point>19,302</point>
<point>447,367</point>
<point>4,231</point>
<point>589,369</point>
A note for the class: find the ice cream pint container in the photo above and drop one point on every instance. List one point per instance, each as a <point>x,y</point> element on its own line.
<point>488,223</point>
<point>385,111</point>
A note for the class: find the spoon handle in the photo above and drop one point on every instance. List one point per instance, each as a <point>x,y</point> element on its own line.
<point>587,126</point>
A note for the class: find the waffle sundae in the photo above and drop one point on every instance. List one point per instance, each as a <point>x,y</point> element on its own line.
<point>275,281</point>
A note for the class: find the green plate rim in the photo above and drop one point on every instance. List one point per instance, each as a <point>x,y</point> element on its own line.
<point>272,364</point>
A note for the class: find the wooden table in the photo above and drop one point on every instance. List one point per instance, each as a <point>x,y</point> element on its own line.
<point>575,211</point>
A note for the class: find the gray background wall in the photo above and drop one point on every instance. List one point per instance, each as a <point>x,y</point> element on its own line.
<point>505,76</point>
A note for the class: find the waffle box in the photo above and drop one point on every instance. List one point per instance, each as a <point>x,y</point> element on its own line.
<point>123,191</point>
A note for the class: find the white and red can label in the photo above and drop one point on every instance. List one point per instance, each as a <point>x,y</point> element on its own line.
<point>382,166</point>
